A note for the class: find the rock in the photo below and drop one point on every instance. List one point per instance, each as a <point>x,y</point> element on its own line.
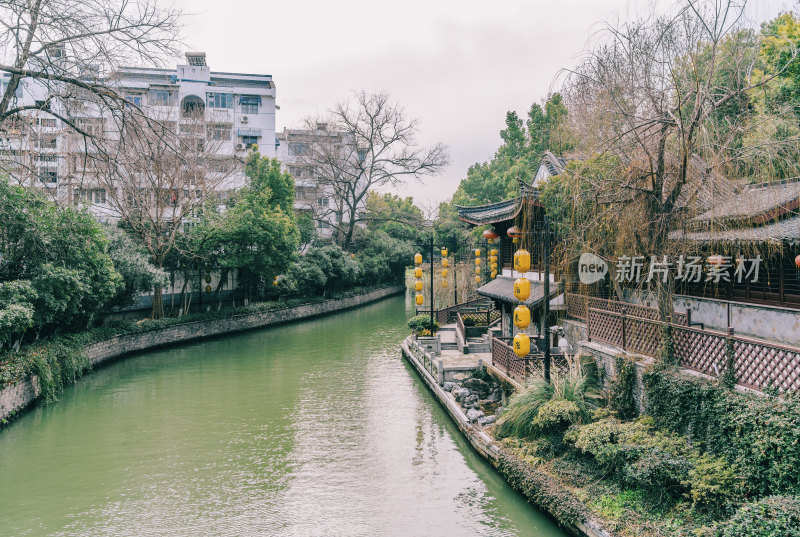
<point>477,385</point>
<point>448,386</point>
<point>486,420</point>
<point>471,401</point>
<point>495,396</point>
<point>473,415</point>
<point>460,393</point>
<point>499,411</point>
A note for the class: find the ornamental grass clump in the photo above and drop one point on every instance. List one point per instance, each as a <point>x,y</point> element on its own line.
<point>548,409</point>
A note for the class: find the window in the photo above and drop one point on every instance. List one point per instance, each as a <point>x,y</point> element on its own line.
<point>89,196</point>
<point>219,132</point>
<point>47,122</point>
<point>219,100</point>
<point>249,104</point>
<point>159,97</point>
<point>322,202</point>
<point>250,141</point>
<point>91,126</point>
<point>46,142</point>
<point>220,166</point>
<point>48,175</point>
<point>134,98</point>
<point>296,149</point>
<point>322,224</point>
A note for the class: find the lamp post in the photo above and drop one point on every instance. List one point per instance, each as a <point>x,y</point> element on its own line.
<point>429,245</point>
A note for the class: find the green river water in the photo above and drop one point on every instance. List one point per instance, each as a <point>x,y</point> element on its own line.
<point>316,428</point>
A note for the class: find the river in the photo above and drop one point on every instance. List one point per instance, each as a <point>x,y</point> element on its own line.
<point>316,428</point>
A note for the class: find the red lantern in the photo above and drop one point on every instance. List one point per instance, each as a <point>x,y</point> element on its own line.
<point>515,233</point>
<point>490,235</point>
<point>797,261</point>
<point>715,260</point>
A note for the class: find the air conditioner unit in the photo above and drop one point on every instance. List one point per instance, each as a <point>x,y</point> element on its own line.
<point>244,119</point>
<point>240,147</point>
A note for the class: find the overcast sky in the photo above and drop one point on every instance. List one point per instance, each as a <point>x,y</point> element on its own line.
<point>458,65</point>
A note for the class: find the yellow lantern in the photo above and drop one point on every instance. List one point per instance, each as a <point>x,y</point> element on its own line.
<point>522,316</point>
<point>418,259</point>
<point>522,261</point>
<point>477,252</point>
<point>493,252</point>
<point>444,273</point>
<point>444,252</point>
<point>494,274</point>
<point>418,272</point>
<point>522,288</point>
<point>477,270</point>
<point>445,262</point>
<point>493,266</point>
<point>419,299</point>
<point>444,283</point>
<point>418,285</point>
<point>477,261</point>
<point>477,279</point>
<point>493,258</point>
<point>522,345</point>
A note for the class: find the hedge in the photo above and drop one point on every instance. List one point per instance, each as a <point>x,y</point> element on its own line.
<point>760,435</point>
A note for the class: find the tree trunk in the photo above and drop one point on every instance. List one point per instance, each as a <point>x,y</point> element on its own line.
<point>158,303</point>
<point>217,295</point>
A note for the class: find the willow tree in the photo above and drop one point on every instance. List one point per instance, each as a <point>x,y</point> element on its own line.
<point>665,97</point>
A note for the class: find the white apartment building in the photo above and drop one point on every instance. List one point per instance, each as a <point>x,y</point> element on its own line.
<point>311,194</point>
<point>238,109</point>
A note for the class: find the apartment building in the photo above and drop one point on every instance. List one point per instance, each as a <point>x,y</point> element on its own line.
<point>314,195</point>
<point>236,111</point>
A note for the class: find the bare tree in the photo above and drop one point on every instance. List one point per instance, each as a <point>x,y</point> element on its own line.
<point>158,185</point>
<point>66,51</point>
<point>375,146</point>
<point>660,100</point>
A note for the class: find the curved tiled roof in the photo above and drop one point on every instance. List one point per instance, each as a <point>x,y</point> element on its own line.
<point>787,230</point>
<point>755,204</point>
<point>502,289</point>
<point>498,211</point>
<point>491,213</point>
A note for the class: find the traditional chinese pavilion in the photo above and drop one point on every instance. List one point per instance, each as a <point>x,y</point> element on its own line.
<point>525,212</point>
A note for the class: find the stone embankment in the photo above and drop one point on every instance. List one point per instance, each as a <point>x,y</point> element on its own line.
<point>474,404</point>
<point>14,399</point>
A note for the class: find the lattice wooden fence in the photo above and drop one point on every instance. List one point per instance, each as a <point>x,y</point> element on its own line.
<point>757,364</point>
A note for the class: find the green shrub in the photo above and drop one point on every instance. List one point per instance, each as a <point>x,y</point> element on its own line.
<point>759,435</point>
<point>556,415</point>
<point>659,463</point>
<point>777,516</point>
<point>714,484</point>
<point>419,323</point>
<point>621,389</point>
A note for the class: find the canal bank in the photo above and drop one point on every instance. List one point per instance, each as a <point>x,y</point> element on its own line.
<point>16,398</point>
<point>537,486</point>
<point>312,428</point>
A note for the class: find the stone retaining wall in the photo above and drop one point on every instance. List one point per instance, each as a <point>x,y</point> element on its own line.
<point>15,398</point>
<point>485,446</point>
